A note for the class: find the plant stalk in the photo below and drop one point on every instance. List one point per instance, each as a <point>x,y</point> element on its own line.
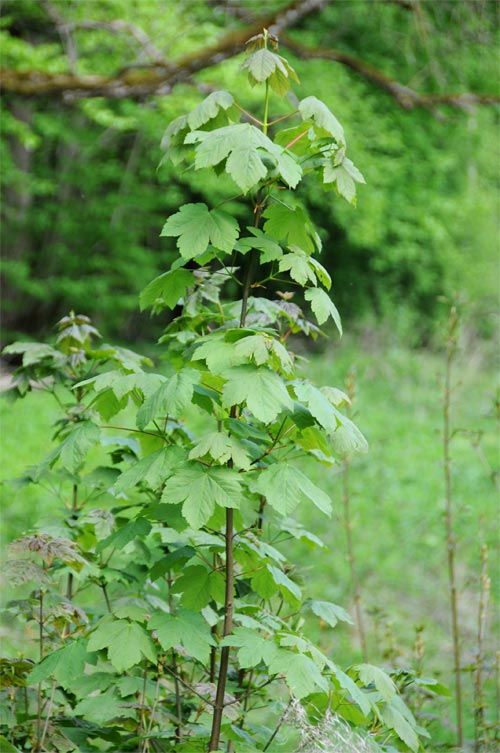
<point>227,629</point>
<point>229,533</point>
<point>74,508</point>
<point>449,522</point>
<point>479,704</point>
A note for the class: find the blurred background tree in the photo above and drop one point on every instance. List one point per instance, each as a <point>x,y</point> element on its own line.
<point>90,86</point>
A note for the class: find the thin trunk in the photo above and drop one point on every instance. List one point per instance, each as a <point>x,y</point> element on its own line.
<point>229,533</point>
<point>173,663</point>
<point>449,523</point>
<point>228,626</point>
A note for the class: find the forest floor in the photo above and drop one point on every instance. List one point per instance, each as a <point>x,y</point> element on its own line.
<point>396,492</point>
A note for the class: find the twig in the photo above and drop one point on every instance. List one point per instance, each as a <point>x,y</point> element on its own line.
<point>188,686</point>
<point>278,726</point>
<point>49,712</point>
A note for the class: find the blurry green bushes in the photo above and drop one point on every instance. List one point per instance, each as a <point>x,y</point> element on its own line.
<point>81,215</point>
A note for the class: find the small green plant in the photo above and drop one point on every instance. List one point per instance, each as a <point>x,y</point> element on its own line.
<point>183,626</point>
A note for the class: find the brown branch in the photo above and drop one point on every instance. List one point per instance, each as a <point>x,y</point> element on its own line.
<point>118,26</point>
<point>157,79</point>
<point>405,96</point>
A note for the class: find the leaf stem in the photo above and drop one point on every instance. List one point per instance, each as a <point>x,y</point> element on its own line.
<point>249,114</point>
<point>297,138</point>
<point>278,726</point>
<point>265,124</point>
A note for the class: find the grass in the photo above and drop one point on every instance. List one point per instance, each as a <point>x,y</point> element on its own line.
<point>397,502</point>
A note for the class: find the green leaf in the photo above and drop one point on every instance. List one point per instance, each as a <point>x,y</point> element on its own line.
<point>127,643</point>
<point>289,590</point>
<point>323,306</point>
<point>73,449</point>
<point>345,176</point>
<point>314,109</point>
<point>65,665</point>
<point>218,354</point>
<point>167,289</point>
<point>247,167</point>
<point>285,486</point>
<point>102,708</point>
<point>261,389</point>
<point>33,353</point>
<point>196,227</point>
<point>262,64</point>
<point>170,399</point>
<point>302,675</point>
<point>6,746</point>
<point>321,273</point>
<point>209,108</point>
<point>270,250</point>
<point>198,587</point>
<point>330,613</point>
<point>199,489</point>
<point>138,528</point>
<point>348,684</point>
<point>344,434</point>
<point>221,447</point>
<point>123,384</point>
<point>264,349</point>
<point>297,263</point>
<point>396,721</point>
<point>171,561</point>
<point>152,470</point>
<point>369,674</point>
<point>264,584</point>
<point>347,438</point>
<point>253,647</point>
<point>186,628</point>
<point>290,225</point>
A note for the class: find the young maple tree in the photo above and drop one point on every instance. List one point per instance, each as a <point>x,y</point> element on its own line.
<point>200,643</point>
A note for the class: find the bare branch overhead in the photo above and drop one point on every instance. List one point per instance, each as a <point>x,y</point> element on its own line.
<point>162,75</point>
<point>404,95</point>
<point>160,78</point>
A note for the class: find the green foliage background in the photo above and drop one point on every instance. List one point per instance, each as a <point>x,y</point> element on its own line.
<point>81,210</point>
<point>81,215</point>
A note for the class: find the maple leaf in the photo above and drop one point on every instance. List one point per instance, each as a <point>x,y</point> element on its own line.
<point>195,226</point>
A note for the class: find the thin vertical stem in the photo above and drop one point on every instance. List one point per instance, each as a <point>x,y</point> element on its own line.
<point>278,726</point>
<point>449,522</point>
<point>229,532</point>
<point>479,705</point>
<point>39,689</point>
<point>104,590</point>
<point>227,629</point>
<point>74,508</point>
<point>49,713</point>
<point>265,125</point>
<point>173,663</point>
